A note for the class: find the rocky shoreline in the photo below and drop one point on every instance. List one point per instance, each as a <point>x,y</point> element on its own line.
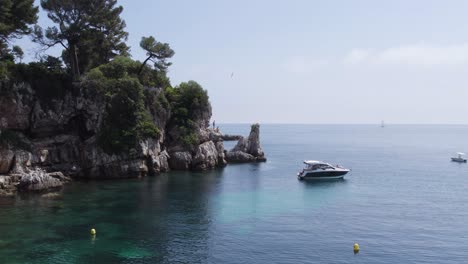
<point>54,141</point>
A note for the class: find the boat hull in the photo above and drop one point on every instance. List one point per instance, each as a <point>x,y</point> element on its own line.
<point>336,174</point>
<point>458,160</point>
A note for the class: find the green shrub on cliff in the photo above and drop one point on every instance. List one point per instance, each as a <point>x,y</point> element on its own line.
<point>95,56</point>
<point>122,67</point>
<point>188,100</point>
<point>46,77</point>
<point>126,120</point>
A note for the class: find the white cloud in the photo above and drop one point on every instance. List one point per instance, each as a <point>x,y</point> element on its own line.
<point>416,55</point>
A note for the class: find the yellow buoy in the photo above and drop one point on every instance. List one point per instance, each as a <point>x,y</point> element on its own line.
<point>93,231</point>
<point>356,247</point>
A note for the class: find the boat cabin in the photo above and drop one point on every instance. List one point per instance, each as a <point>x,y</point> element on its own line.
<point>316,165</point>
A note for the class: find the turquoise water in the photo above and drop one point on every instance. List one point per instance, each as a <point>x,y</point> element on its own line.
<point>403,202</point>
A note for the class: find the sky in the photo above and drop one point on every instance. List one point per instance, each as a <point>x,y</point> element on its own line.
<point>319,62</point>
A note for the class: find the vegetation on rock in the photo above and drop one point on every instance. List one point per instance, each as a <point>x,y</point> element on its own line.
<point>157,52</point>
<point>187,100</point>
<point>46,78</point>
<point>95,56</point>
<point>90,31</point>
<point>126,120</point>
<point>16,16</point>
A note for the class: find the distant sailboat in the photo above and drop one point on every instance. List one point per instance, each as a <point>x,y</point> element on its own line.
<point>382,124</point>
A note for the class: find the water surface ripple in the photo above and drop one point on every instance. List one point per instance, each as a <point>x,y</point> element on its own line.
<point>403,202</point>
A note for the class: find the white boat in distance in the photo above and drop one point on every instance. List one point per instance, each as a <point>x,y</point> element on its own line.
<point>460,157</point>
<point>315,169</point>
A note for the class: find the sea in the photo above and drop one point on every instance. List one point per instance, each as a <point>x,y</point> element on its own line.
<point>404,201</point>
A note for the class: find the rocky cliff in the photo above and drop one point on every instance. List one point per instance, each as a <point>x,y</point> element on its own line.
<point>44,140</point>
<point>247,150</point>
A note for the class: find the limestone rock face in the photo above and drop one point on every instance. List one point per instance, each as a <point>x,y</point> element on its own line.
<point>22,162</point>
<point>209,154</point>
<point>8,184</point>
<point>62,135</point>
<point>58,136</point>
<point>227,137</point>
<point>215,136</point>
<point>250,146</point>
<point>206,156</point>
<point>38,180</point>
<point>181,160</point>
<point>239,157</point>
<point>253,142</point>
<point>221,156</point>
<point>6,160</point>
<point>16,102</point>
<point>146,159</point>
<point>160,163</point>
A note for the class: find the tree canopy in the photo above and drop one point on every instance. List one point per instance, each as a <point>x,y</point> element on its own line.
<point>90,31</point>
<point>16,16</point>
<point>157,52</point>
<point>188,101</point>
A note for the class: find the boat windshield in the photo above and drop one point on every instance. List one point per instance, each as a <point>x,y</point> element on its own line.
<point>318,166</point>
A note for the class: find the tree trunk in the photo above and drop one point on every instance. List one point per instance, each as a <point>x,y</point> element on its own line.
<point>143,65</point>
<point>74,63</point>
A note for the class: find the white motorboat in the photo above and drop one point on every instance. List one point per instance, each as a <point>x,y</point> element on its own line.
<point>315,169</point>
<point>460,157</point>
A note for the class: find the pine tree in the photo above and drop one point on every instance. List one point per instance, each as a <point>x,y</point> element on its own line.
<point>90,31</point>
<point>16,16</point>
<point>157,52</point>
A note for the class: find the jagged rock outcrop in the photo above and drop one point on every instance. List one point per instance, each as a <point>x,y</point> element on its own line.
<point>221,156</point>
<point>62,134</point>
<point>21,177</point>
<point>227,137</point>
<point>181,160</point>
<point>210,154</point>
<point>247,150</point>
<point>239,157</point>
<point>58,135</point>
<point>159,163</point>
<point>147,158</point>
<point>39,180</point>
<point>16,102</point>
<point>6,160</point>
<point>206,156</point>
<point>8,184</point>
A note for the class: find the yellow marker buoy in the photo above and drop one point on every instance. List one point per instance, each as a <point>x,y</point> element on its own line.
<point>356,248</point>
<point>93,231</point>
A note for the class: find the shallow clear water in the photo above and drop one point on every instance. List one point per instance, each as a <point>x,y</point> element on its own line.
<point>403,202</point>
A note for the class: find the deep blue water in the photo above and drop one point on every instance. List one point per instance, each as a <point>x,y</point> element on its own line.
<point>403,202</point>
